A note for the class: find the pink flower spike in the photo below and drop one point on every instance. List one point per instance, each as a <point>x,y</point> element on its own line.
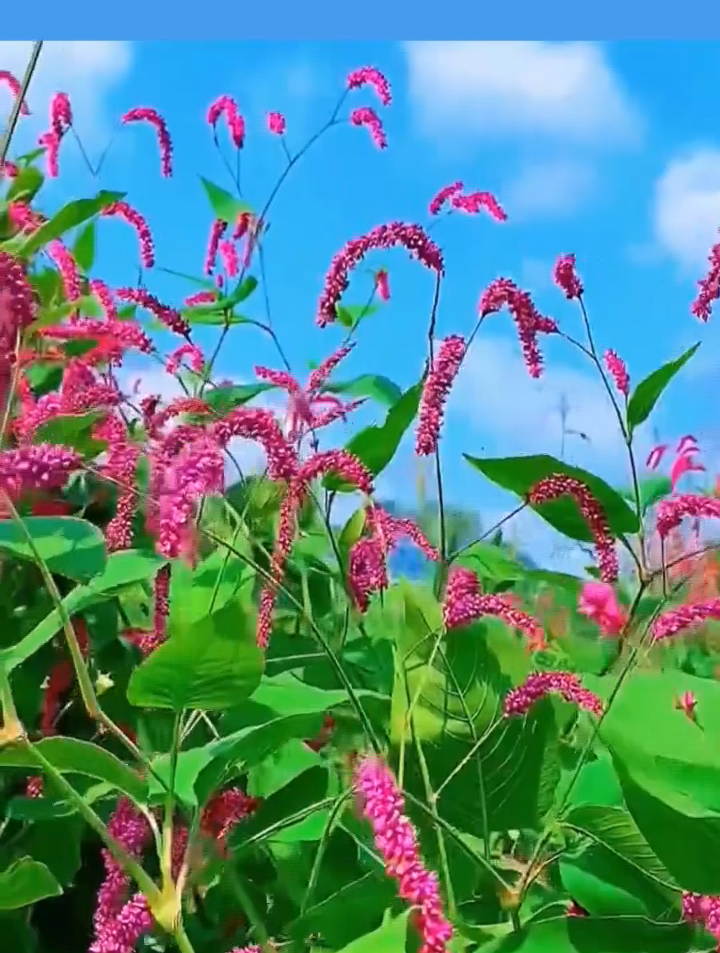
<point>370,76</point>
<point>618,371</point>
<point>366,116</point>
<point>565,276</point>
<point>688,442</point>
<point>217,230</point>
<point>435,393</point>
<point>229,255</point>
<point>708,287</point>
<point>276,124</point>
<point>383,806</point>
<point>130,215</point>
<point>443,196</point>
<point>60,114</point>
<point>687,703</point>
<point>655,456</point>
<point>15,87</point>
<point>684,463</point>
<point>381,284</point>
<point>671,512</point>
<point>538,684</point>
<point>684,617</point>
<point>153,117</point>
<point>475,202</point>
<point>598,601</point>
<point>226,105</point>
<point>50,141</point>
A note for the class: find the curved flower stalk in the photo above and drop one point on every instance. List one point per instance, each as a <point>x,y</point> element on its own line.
<point>154,119</point>
<point>529,322</point>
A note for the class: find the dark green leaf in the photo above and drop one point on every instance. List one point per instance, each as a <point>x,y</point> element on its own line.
<point>74,431</point>
<point>376,445</point>
<point>380,388</point>
<point>69,546</point>
<point>26,882</point>
<point>243,290</point>
<point>520,474</point>
<point>647,393</point>
<point>352,314</point>
<point>348,913</point>
<point>224,205</point>
<point>389,938</point>
<point>595,935</point>
<point>25,186</point>
<point>70,215</point>
<point>211,665</point>
<point>84,248</point>
<point>73,756</point>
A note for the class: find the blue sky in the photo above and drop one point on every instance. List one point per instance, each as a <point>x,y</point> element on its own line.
<point>610,151</point>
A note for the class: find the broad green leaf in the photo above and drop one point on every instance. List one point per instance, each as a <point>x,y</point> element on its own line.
<point>652,489</point>
<point>122,569</point>
<point>74,756</point>
<point>308,794</point>
<point>352,314</point>
<point>70,215</point>
<point>224,399</point>
<point>615,829</point>
<point>380,388</point>
<point>349,913</point>
<point>26,184</point>
<point>74,431</point>
<point>224,205</point>
<point>69,546</point>
<point>595,935</point>
<point>280,767</point>
<point>214,317</point>
<point>376,445</point>
<point>84,248</point>
<point>210,665</point>
<point>389,938</point>
<point>648,391</point>
<point>243,290</point>
<point>520,474</point>
<point>26,882</point>
<point>491,562</point>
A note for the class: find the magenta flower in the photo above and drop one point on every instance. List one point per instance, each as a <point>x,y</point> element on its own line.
<point>132,217</point>
<point>171,318</point>
<point>276,124</point>
<point>383,805</point>
<point>687,703</point>
<point>685,617</point>
<point>226,105</point>
<point>538,684</point>
<point>565,276</point>
<point>599,602</point>
<point>708,287</point>
<point>475,202</point>
<point>435,393</point>
<point>529,322</point>
<point>370,76</point>
<point>464,603</point>
<point>304,413</point>
<point>63,259</point>
<point>618,371</point>
<point>15,87</point>
<point>672,511</point>
<point>552,487</point>
<point>382,285</point>
<point>217,230</point>
<point>153,117</point>
<point>443,196</point>
<point>60,114</point>
<point>366,116</point>
<point>655,456</point>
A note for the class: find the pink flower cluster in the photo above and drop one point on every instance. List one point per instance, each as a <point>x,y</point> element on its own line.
<point>276,123</point>
<point>153,117</point>
<point>673,510</point>
<point>226,105</point>
<point>370,76</point>
<point>367,562</point>
<point>412,237</point>
<point>132,217</point>
<point>565,276</point>
<point>538,684</point>
<point>366,116</point>
<point>120,467</point>
<point>435,393</point>
<point>529,322</point>
<point>598,601</point>
<point>63,259</point>
<point>464,603</point>
<point>557,485</point>
<point>171,318</point>
<point>13,84</point>
<point>697,908</point>
<point>685,617</point>
<point>383,805</point>
<point>618,371</point>
<point>42,466</point>
<point>708,287</point>
<point>217,230</point>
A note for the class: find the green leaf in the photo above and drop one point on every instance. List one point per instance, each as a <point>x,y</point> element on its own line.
<point>647,393</point>
<point>74,431</point>
<point>349,913</point>
<point>211,665</point>
<point>520,474</point>
<point>73,756</point>
<point>224,205</point>
<point>69,546</point>
<point>595,935</point>
<point>70,215</point>
<point>243,290</point>
<point>224,399</point>
<point>26,184</point>
<point>205,315</point>
<point>652,489</point>
<point>122,569</point>
<point>389,938</point>
<point>352,314</point>
<point>305,794</point>
<point>380,388</point>
<point>376,446</point>
<point>84,248</point>
<point>26,882</point>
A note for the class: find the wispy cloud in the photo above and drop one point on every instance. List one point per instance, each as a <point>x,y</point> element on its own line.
<point>552,187</point>
<point>512,89</point>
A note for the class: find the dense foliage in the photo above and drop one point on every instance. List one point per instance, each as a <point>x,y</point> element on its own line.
<point>228,725</point>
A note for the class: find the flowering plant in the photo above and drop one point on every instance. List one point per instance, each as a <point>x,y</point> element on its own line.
<point>226,725</point>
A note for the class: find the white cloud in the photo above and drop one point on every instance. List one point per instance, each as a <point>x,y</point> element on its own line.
<point>522,415</point>
<point>84,69</point>
<point>514,88</point>
<point>687,207</point>
<point>555,186</point>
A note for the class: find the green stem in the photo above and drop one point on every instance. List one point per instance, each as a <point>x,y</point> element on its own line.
<point>182,941</point>
<point>167,838</point>
<point>11,726</point>
<point>327,832</point>
<point>249,909</point>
